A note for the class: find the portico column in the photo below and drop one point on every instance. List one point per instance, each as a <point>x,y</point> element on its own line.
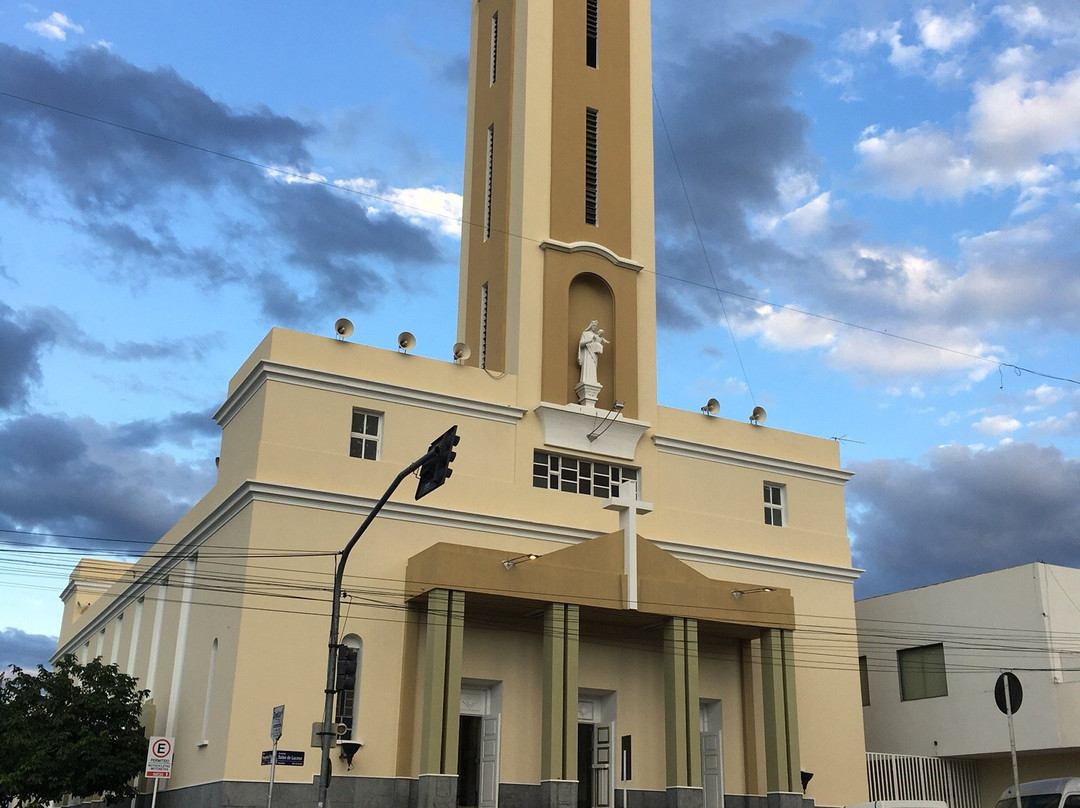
<point>558,755</point>
<point>781,716</point>
<point>442,699</point>
<point>683,713</point>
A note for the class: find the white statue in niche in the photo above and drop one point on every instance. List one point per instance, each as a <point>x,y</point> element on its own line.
<point>590,346</point>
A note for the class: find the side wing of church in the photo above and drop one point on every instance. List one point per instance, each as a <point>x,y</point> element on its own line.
<point>608,600</point>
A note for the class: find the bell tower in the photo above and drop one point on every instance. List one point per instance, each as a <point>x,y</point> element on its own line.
<point>558,214</point>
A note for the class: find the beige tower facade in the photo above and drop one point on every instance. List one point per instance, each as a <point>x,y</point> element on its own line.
<point>608,600</point>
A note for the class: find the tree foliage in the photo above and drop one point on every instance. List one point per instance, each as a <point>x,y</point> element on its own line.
<point>72,731</point>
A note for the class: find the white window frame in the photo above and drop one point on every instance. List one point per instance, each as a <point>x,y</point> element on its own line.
<point>565,473</point>
<point>776,514</point>
<point>366,438</point>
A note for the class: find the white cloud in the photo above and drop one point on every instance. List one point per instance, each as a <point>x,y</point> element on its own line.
<point>790,330</point>
<point>1026,19</point>
<point>1015,121</point>
<point>809,219</point>
<point>55,26</point>
<point>418,205</point>
<point>921,159</point>
<point>997,425</point>
<point>944,34</point>
<point>1043,396</point>
<point>293,176</point>
<point>1068,424</point>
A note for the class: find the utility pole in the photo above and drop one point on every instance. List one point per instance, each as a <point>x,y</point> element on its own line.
<point>434,470</point>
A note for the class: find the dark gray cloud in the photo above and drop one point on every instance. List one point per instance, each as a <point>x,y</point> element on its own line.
<point>22,341</point>
<point>179,429</point>
<point>108,138</point>
<point>80,478</point>
<point>725,133</point>
<point>27,651</point>
<point>962,512</point>
<point>55,326</point>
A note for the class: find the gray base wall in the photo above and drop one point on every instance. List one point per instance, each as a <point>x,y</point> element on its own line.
<point>403,792</point>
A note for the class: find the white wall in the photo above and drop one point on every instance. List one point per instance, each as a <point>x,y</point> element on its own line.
<point>1019,619</point>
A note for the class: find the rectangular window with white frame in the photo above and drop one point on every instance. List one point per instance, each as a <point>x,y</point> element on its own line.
<point>775,504</point>
<point>922,672</point>
<point>366,440</point>
<point>580,476</point>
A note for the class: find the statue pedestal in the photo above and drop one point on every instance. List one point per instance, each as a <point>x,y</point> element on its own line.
<point>587,393</point>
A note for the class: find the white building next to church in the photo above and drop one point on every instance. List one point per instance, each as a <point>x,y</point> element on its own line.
<point>930,658</point>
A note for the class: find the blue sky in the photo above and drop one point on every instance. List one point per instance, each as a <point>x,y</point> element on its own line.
<point>867,222</point>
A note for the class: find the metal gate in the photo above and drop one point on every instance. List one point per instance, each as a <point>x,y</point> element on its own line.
<point>909,777</point>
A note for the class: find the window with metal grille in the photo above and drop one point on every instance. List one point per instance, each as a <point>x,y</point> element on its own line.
<point>591,166</point>
<point>494,46</point>
<point>483,324</point>
<point>578,476</point>
<point>590,32</point>
<point>366,441</point>
<point>774,504</point>
<point>922,672</point>
<point>487,181</point>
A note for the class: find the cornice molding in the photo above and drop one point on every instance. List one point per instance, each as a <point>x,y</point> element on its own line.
<point>591,247</point>
<point>731,457</point>
<point>254,491</point>
<point>266,371</point>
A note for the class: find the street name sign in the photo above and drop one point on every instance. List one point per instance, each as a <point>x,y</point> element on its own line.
<point>284,757</point>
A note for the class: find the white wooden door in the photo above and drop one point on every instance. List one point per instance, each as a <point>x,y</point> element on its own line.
<point>712,757</point>
<point>603,754</point>
<point>489,762</point>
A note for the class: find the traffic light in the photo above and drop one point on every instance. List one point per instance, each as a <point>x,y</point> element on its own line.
<point>435,471</point>
<point>346,669</point>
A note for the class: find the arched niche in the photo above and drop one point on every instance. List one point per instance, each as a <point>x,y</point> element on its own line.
<point>591,298</point>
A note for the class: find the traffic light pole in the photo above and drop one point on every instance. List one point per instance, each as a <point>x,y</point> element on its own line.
<point>437,452</point>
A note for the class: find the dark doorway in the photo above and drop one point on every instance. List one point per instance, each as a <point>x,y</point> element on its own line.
<point>468,792</point>
<point>586,739</point>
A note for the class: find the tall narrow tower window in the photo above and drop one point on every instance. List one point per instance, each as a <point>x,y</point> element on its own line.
<point>483,324</point>
<point>487,181</point>
<point>590,166</point>
<point>494,46</point>
<point>590,32</point>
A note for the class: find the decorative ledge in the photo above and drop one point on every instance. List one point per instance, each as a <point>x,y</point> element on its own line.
<point>568,427</point>
<point>731,457</point>
<point>591,247</point>
<point>266,371</point>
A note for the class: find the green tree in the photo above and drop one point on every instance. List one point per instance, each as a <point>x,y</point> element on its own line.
<point>72,731</point>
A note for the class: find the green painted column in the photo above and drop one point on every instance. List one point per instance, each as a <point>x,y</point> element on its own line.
<point>442,681</point>
<point>682,694</point>
<point>558,756</point>
<point>781,716</point>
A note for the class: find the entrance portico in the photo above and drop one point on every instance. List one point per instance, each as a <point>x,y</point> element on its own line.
<point>588,639</point>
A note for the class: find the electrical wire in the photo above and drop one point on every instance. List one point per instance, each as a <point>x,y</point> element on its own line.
<point>712,286</point>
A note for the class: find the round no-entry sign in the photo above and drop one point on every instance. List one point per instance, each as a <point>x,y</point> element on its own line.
<point>1016,693</point>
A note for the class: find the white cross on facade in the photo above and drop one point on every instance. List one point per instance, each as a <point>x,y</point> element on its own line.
<point>629,506</point>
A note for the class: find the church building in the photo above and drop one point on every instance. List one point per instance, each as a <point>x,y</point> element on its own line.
<point>609,603</point>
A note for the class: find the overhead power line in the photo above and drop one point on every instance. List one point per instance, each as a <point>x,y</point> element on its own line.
<point>712,285</point>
